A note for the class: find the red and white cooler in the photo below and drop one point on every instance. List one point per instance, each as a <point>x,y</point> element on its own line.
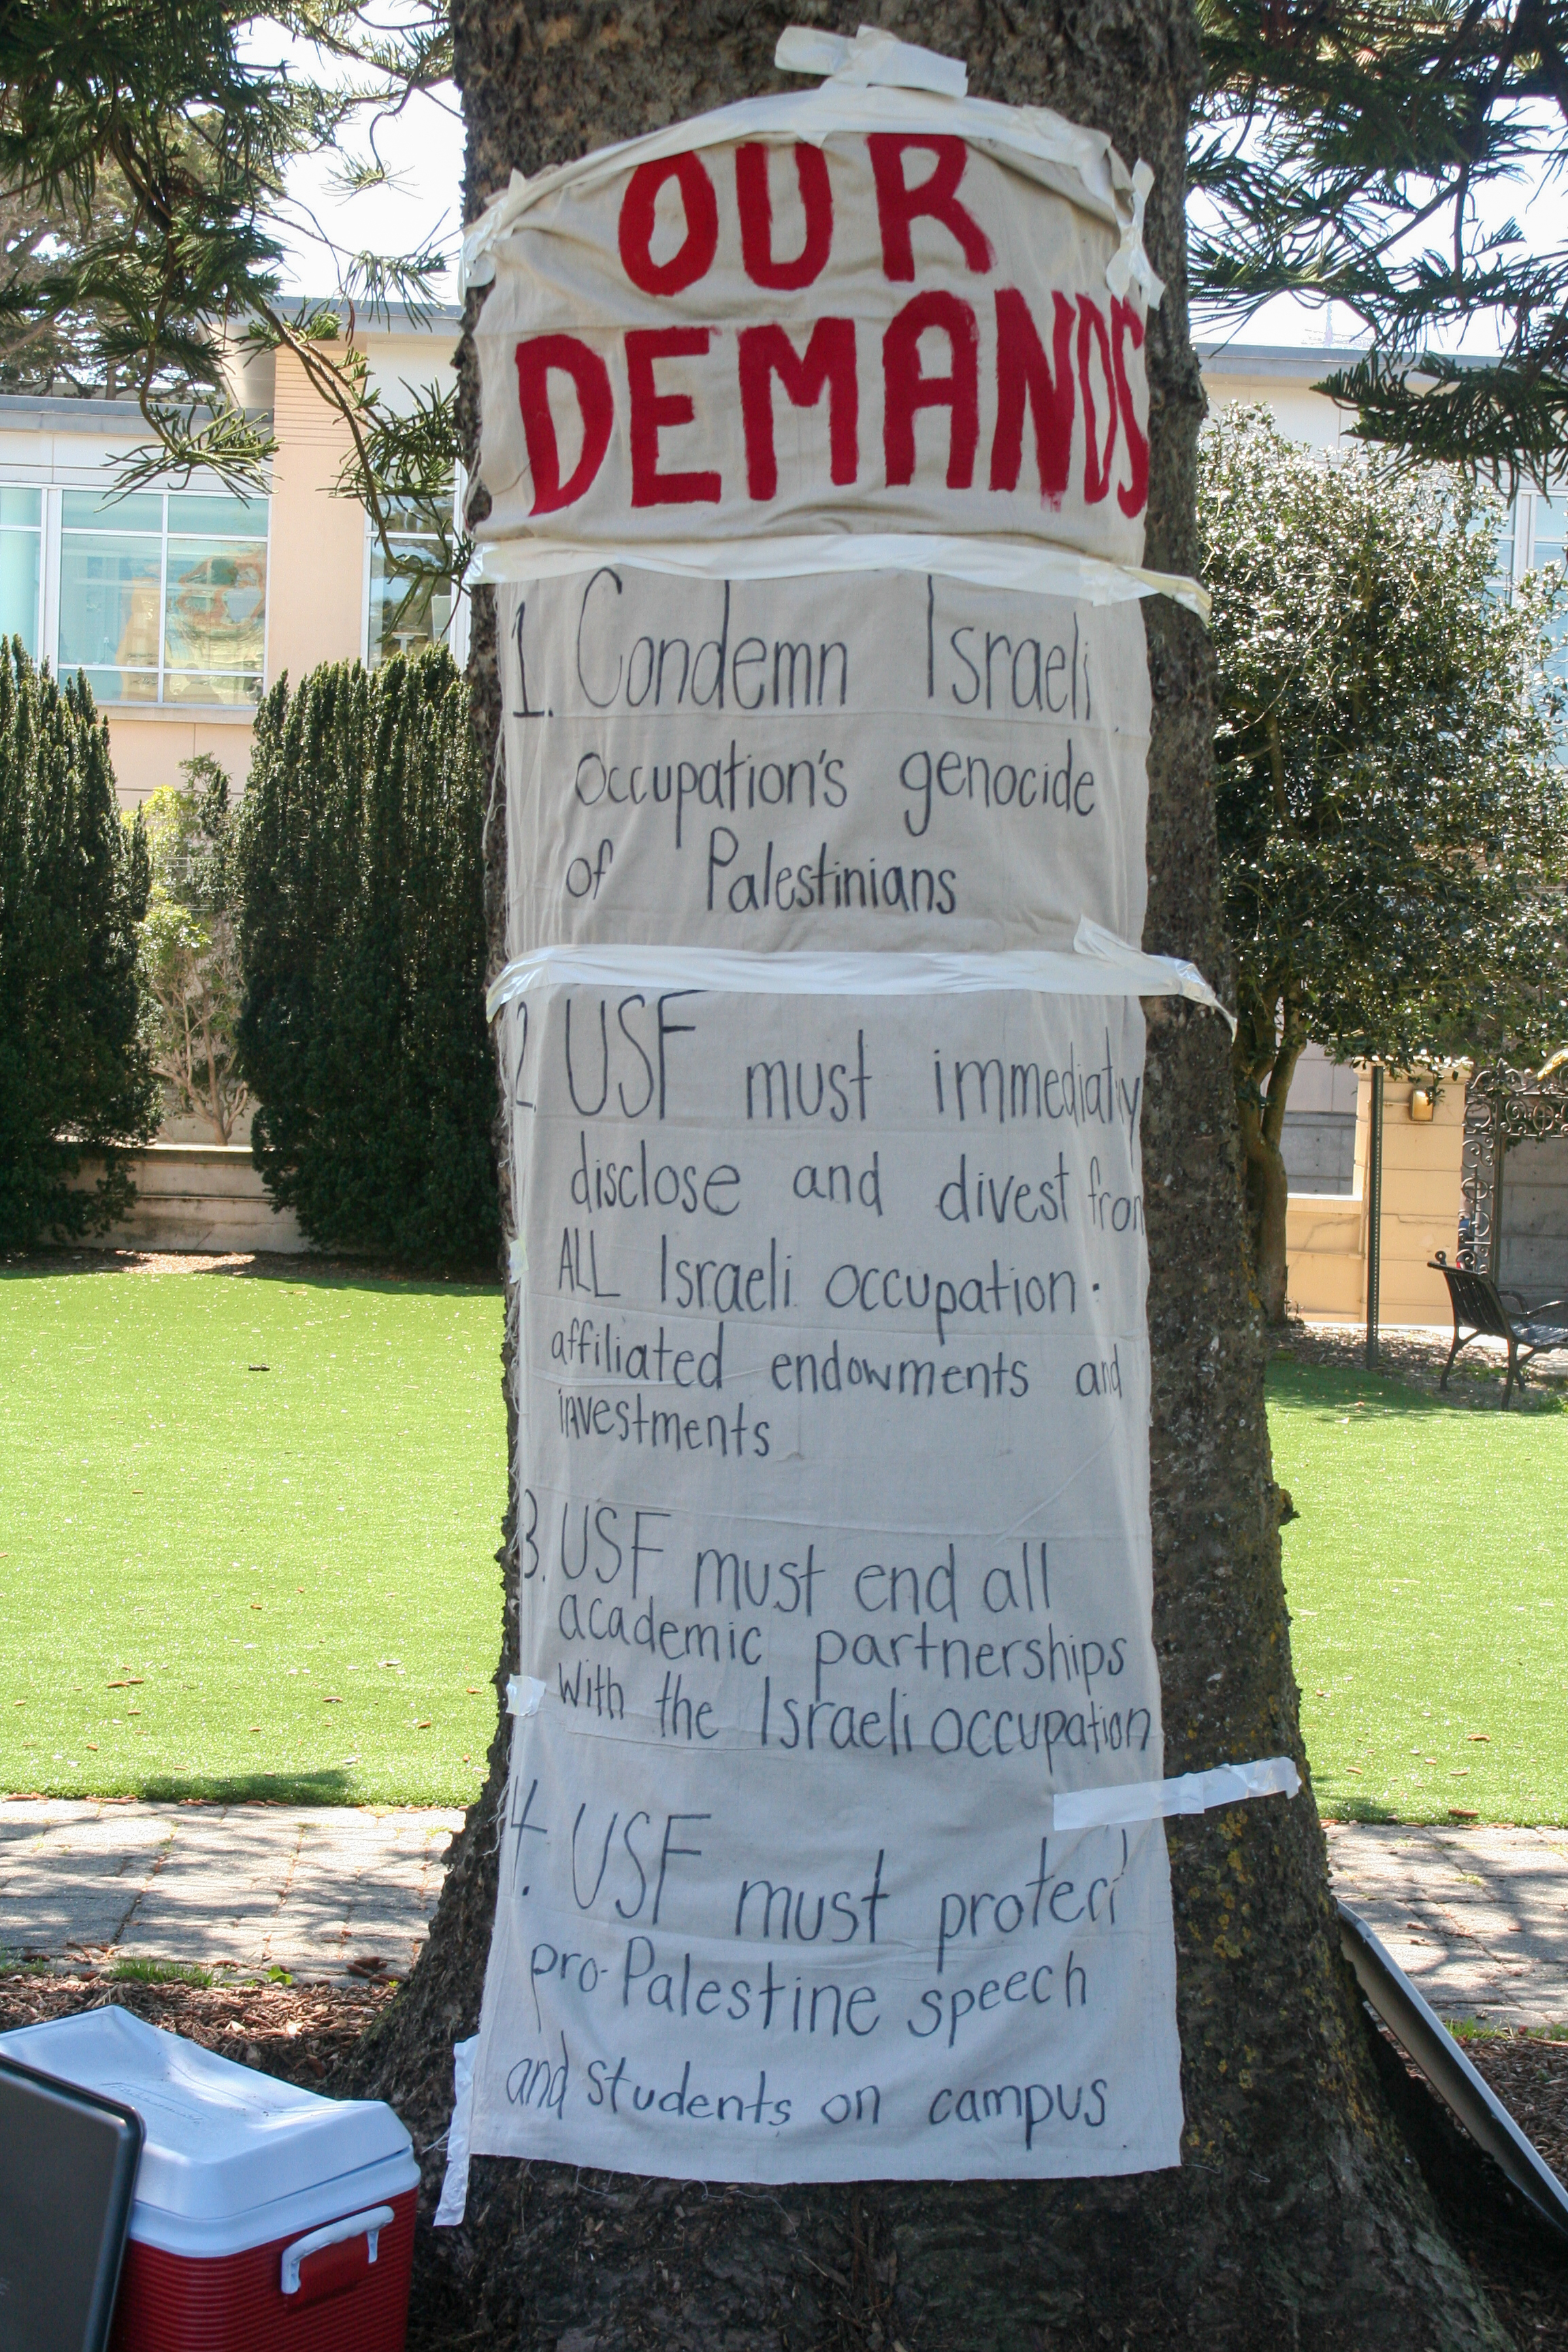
<point>267,2219</point>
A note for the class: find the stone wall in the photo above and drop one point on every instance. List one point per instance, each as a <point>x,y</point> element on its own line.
<point>200,1197</point>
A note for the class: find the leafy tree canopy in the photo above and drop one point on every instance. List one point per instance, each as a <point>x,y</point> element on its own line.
<point>145,149</point>
<point>1392,813</point>
<point>1355,151</point>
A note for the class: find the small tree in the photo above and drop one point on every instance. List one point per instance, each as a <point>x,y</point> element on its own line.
<point>75,1075</point>
<point>362,946</point>
<point>191,945</point>
<point>1393,818</point>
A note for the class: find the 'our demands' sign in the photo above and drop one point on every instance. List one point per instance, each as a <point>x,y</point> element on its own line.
<point>832,1368</point>
<point>772,335</point>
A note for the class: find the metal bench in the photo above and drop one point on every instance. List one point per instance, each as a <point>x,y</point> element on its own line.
<point>1478,1302</point>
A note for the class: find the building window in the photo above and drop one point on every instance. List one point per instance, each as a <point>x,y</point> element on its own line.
<point>1319,1139</point>
<point>1532,540</point>
<point>21,563</point>
<point>1546,547</point>
<point>401,622</point>
<point>163,595</point>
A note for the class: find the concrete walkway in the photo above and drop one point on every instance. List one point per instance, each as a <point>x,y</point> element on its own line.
<point>1478,1917</point>
<point>250,1887</point>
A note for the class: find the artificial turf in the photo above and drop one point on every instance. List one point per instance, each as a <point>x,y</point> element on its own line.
<point>224,1582</point>
<point>247,1528</point>
<point>1428,1580</point>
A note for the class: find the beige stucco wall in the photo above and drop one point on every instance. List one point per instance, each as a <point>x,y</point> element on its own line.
<point>148,747</point>
<point>1326,1233</point>
<point>315,593</point>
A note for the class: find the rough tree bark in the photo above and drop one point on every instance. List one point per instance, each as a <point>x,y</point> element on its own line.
<point>1297,2218</point>
<point>1264,1057</point>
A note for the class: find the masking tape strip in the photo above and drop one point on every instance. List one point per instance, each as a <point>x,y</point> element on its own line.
<point>1037,567</point>
<point>1100,965</point>
<point>454,2204</point>
<point>873,58</point>
<point>1193,1792</point>
<point>1078,164</point>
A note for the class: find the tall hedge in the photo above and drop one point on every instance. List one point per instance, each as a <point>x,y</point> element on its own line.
<point>75,1075</point>
<point>361,940</point>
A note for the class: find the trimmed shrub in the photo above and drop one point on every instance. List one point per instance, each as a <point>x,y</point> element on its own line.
<point>76,1076</point>
<point>361,936</point>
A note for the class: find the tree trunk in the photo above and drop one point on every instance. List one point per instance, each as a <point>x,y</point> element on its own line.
<point>1261,1117</point>
<point>1296,2219</point>
<point>1268,1198</point>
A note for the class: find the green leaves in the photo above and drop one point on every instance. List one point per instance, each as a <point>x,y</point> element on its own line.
<point>145,149</point>
<point>190,945</point>
<point>1393,815</point>
<point>75,1076</point>
<point>1344,152</point>
<point>361,897</point>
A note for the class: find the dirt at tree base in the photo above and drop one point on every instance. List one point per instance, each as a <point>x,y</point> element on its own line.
<point>1416,1357</point>
<point>299,2032</point>
<point>613,2225</point>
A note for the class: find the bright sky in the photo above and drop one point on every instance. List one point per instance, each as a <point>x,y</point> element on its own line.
<point>423,204</point>
<point>424,149</point>
<point>1537,203</point>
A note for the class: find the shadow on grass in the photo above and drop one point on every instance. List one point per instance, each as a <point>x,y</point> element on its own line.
<point>1337,1388</point>
<point>473,1283</point>
<point>325,1788</point>
<point>298,1273</point>
<point>1374,1811</point>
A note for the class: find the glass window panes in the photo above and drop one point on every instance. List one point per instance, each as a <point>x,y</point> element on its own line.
<point>214,609</point>
<point>192,514</point>
<point>1551,514</point>
<point>401,622</point>
<point>163,595</point>
<point>21,563</point>
<point>90,510</point>
<point>111,592</point>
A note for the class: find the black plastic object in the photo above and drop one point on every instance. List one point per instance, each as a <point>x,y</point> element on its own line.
<point>1422,2035</point>
<point>67,2174</point>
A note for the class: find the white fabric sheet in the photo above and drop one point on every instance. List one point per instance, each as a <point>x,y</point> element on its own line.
<point>797,330</point>
<point>876,762</point>
<point>835,1550</point>
<point>829,1304</point>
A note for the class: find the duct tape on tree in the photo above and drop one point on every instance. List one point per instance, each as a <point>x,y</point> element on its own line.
<point>815,446</point>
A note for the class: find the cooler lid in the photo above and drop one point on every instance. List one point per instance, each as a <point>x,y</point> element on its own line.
<point>221,2138</point>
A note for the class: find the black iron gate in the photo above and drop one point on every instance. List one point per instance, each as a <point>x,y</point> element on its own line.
<point>1503,1108</point>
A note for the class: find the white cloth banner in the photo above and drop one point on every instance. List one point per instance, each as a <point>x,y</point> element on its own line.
<point>833,1460</point>
<point>835,1562</point>
<point>869,762</point>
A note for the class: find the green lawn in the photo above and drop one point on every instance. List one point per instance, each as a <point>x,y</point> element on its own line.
<point>1429,1585</point>
<point>221,1579</point>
